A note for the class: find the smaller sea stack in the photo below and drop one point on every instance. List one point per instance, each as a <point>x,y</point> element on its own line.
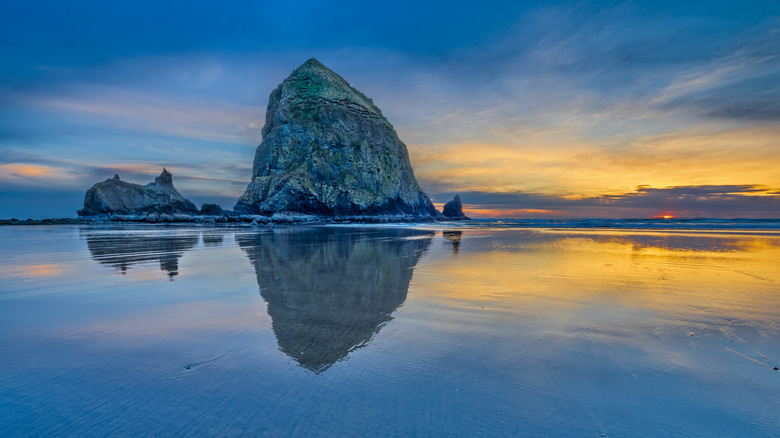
<point>453,210</point>
<point>114,196</point>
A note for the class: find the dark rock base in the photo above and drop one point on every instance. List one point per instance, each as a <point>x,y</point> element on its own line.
<point>289,218</point>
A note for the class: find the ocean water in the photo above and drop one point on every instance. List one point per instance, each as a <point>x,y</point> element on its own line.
<point>513,328</point>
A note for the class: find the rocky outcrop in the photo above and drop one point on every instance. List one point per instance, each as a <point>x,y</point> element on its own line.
<point>453,210</point>
<point>114,196</point>
<point>328,151</point>
<point>211,210</point>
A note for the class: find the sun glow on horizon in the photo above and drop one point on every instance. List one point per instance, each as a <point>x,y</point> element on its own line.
<point>587,166</point>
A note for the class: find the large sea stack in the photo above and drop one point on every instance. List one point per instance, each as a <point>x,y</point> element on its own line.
<point>114,196</point>
<point>327,150</point>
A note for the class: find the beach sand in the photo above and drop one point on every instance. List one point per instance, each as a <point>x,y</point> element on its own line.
<point>388,331</point>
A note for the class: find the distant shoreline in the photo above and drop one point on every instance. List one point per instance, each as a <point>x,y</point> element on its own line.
<point>644,224</point>
<point>276,219</point>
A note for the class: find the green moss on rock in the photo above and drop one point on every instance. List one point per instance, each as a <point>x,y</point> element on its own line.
<point>328,150</point>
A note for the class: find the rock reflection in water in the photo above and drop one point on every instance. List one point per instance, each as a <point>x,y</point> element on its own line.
<point>330,290</point>
<point>212,239</point>
<point>454,238</point>
<point>122,249</point>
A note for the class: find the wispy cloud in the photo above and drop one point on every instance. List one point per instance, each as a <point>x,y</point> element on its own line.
<point>131,110</point>
<point>742,86</point>
<point>32,173</point>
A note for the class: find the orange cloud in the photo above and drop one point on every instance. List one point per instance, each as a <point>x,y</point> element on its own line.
<point>27,169</point>
<point>587,167</point>
<point>16,171</point>
<point>481,212</point>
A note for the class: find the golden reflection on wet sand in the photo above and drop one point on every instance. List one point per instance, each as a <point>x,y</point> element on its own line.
<point>31,272</point>
<point>683,276</point>
<point>391,331</point>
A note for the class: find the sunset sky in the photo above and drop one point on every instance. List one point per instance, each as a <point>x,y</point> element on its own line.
<point>527,109</point>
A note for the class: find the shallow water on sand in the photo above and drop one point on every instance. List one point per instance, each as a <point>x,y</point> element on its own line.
<point>388,331</point>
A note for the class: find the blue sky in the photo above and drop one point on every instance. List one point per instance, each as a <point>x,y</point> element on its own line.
<point>525,108</point>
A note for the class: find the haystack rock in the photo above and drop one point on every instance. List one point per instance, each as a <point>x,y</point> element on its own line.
<point>114,196</point>
<point>453,210</point>
<point>327,150</point>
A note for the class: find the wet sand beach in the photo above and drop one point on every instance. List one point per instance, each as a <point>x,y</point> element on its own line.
<point>389,331</point>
